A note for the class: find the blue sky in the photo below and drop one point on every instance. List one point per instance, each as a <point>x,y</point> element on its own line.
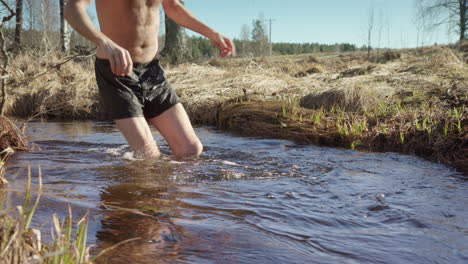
<point>318,20</point>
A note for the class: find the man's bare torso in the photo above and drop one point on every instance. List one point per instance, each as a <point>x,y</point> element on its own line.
<point>131,24</point>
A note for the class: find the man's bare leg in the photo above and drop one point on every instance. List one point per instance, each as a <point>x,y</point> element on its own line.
<point>174,125</point>
<point>138,135</point>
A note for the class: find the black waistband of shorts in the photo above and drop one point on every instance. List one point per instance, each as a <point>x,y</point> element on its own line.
<point>135,64</point>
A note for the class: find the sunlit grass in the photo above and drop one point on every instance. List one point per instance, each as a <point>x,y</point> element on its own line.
<point>21,243</point>
<point>3,157</point>
<point>413,104</point>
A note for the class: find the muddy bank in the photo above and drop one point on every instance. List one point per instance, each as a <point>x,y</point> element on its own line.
<point>411,103</point>
<point>406,101</point>
<point>11,136</point>
<point>264,119</point>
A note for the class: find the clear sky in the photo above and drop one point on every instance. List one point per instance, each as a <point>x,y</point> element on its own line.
<point>318,20</point>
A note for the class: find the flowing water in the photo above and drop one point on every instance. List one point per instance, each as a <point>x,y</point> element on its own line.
<point>246,200</point>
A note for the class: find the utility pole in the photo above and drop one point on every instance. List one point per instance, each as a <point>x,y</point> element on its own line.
<point>271,43</point>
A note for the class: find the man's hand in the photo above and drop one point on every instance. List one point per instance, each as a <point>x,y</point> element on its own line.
<point>120,60</point>
<point>179,14</point>
<point>225,45</point>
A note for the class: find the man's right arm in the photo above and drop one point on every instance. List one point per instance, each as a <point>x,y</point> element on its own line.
<point>119,58</point>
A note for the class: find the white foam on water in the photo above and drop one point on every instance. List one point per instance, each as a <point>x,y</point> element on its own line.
<point>177,162</point>
<point>116,152</point>
<point>230,163</point>
<point>129,156</point>
<point>237,175</point>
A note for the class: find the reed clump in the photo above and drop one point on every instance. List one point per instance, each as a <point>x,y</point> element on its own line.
<point>12,137</point>
<point>21,243</point>
<point>43,86</point>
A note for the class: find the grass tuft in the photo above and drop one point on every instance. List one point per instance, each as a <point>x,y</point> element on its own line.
<point>20,243</point>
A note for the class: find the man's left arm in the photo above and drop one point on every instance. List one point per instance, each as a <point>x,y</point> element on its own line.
<point>179,14</point>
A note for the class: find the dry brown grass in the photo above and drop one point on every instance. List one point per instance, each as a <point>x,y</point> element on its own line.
<point>406,103</point>
<point>38,89</point>
<point>390,99</point>
<point>12,137</point>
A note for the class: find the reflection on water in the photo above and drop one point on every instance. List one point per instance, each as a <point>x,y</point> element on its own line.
<point>248,200</point>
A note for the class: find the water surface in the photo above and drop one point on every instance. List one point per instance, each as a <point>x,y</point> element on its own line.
<point>247,200</point>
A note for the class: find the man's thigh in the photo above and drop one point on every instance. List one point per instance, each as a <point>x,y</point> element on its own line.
<point>174,125</point>
<point>138,135</point>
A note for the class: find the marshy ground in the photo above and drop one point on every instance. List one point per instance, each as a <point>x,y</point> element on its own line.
<point>409,101</point>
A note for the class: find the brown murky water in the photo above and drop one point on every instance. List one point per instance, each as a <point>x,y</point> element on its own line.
<point>247,200</point>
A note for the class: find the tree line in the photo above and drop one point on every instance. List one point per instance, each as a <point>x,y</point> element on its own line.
<point>201,47</point>
<point>40,24</point>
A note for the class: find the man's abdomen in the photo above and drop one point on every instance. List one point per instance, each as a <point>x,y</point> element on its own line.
<point>133,27</point>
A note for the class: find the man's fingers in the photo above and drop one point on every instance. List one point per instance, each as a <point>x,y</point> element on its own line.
<point>225,46</point>
<point>233,48</point>
<point>123,60</point>
<point>228,42</point>
<point>222,44</point>
<point>118,64</point>
<point>129,63</point>
<point>112,64</point>
<point>224,53</point>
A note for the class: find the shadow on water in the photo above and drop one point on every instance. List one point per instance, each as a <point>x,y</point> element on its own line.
<point>248,200</point>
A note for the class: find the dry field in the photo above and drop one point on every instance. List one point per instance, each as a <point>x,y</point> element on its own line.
<point>406,101</point>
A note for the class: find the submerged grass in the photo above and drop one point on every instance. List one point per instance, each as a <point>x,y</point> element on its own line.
<point>19,243</point>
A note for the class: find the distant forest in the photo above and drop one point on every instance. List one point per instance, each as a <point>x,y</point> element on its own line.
<point>202,47</point>
<point>254,41</point>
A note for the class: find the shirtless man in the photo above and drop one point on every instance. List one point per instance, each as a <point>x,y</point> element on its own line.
<point>132,86</point>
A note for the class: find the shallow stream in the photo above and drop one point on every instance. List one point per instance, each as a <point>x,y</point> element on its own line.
<point>246,200</point>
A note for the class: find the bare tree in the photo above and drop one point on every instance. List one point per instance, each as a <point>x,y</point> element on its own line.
<point>6,59</point>
<point>380,27</point>
<point>29,12</point>
<point>422,27</point>
<point>370,30</point>
<point>442,11</point>
<point>259,36</point>
<point>64,29</point>
<point>245,39</point>
<point>49,24</point>
<point>387,28</point>
<point>19,23</point>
